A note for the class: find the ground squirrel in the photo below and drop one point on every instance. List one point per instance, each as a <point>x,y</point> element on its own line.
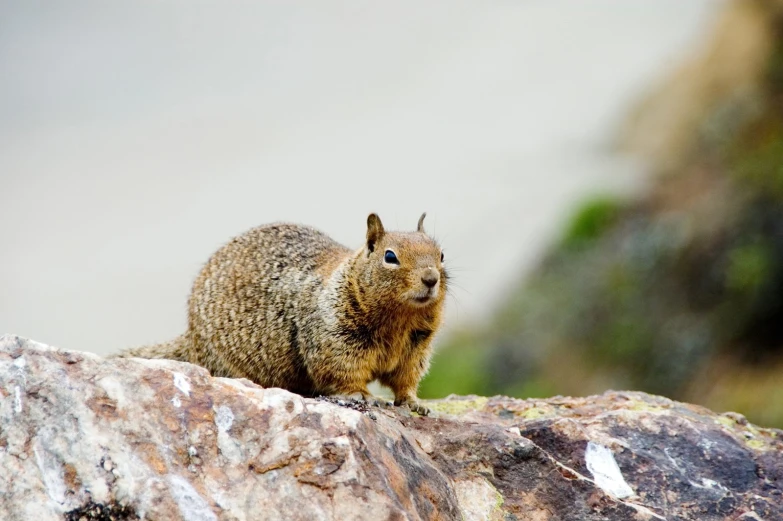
<point>286,306</point>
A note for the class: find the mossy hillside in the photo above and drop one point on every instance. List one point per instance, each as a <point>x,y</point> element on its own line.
<point>679,293</point>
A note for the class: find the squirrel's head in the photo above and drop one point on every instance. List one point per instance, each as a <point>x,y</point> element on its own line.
<point>403,267</point>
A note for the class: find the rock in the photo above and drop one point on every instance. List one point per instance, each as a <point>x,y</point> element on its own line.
<point>83,437</point>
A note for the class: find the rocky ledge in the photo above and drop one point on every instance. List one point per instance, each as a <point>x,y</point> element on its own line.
<point>83,437</point>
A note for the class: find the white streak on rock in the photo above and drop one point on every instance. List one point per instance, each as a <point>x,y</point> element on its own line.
<point>477,499</point>
<point>601,463</point>
<point>224,418</point>
<point>176,402</point>
<point>51,474</point>
<point>17,399</point>
<point>645,512</point>
<point>114,390</point>
<point>709,484</point>
<point>673,461</point>
<point>229,447</point>
<point>192,506</point>
<point>20,364</point>
<point>181,382</point>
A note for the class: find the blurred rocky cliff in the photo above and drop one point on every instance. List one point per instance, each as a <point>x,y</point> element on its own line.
<point>681,291</point>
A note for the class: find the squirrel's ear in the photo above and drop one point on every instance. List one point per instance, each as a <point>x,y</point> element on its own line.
<point>374,230</point>
<point>420,227</point>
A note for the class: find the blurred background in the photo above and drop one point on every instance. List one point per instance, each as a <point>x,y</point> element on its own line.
<point>606,177</point>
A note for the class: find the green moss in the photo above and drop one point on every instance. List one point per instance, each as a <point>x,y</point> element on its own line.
<point>625,338</point>
<point>533,413</point>
<point>756,441</point>
<point>533,388</point>
<point>756,160</point>
<point>753,429</point>
<point>499,500</point>
<point>456,369</point>
<point>591,221</point>
<point>640,406</point>
<point>748,267</point>
<point>459,406</point>
<point>726,421</point>
<point>775,66</point>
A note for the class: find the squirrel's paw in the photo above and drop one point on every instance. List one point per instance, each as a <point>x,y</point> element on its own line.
<point>419,408</point>
<point>414,406</point>
<point>375,400</point>
<point>379,402</point>
<point>369,399</point>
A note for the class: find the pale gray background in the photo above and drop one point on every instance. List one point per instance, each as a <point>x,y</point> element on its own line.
<point>137,137</point>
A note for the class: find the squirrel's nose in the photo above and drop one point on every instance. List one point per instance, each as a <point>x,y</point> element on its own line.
<point>430,277</point>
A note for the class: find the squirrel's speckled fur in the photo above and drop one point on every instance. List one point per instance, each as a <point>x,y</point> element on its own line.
<point>286,306</point>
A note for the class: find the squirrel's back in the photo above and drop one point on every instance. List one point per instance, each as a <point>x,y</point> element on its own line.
<point>253,292</point>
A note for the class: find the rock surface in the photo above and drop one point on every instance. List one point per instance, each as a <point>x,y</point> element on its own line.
<point>82,437</point>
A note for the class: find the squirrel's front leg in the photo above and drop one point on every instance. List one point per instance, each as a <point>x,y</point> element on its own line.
<point>413,404</point>
<point>405,381</point>
<point>343,377</point>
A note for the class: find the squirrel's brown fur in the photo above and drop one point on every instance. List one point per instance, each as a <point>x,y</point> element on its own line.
<point>286,306</point>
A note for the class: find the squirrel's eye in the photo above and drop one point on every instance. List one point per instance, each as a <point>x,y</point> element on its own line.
<point>390,258</point>
<point>441,256</point>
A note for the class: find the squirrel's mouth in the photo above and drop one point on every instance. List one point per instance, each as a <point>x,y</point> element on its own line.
<point>424,297</point>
